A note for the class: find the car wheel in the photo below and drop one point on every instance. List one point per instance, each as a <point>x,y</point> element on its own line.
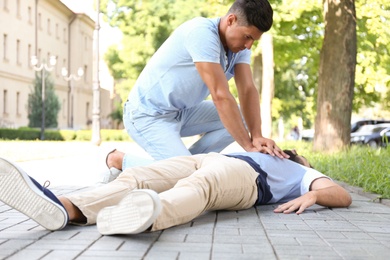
<point>373,144</point>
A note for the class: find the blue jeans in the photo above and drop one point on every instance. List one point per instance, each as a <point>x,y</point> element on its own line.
<point>160,136</point>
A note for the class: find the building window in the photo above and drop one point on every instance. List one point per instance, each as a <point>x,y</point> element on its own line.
<point>65,36</point>
<point>89,121</point>
<point>18,52</point>
<point>29,13</point>
<point>5,6</point>
<point>40,21</point>
<point>29,54</point>
<point>86,43</point>
<point>64,108</point>
<point>17,103</point>
<point>57,71</point>
<point>5,39</point>
<point>18,9</point>
<point>5,93</point>
<point>57,31</point>
<point>85,73</point>
<point>49,26</point>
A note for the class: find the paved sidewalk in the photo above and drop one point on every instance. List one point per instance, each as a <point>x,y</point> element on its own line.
<point>360,232</point>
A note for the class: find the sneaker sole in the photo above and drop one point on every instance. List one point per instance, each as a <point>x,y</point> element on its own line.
<point>19,192</point>
<point>133,215</point>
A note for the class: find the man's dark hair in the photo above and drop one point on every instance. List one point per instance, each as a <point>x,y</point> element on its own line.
<point>294,157</point>
<point>253,12</point>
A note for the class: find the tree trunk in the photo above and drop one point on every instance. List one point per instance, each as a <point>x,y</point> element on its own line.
<point>267,90</point>
<point>336,77</point>
<point>258,71</point>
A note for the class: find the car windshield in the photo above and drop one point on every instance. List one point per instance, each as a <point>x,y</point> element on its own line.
<point>378,129</point>
<point>367,129</point>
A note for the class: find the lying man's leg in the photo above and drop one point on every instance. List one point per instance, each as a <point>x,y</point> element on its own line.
<point>24,194</point>
<point>220,182</point>
<point>159,176</point>
<point>134,214</point>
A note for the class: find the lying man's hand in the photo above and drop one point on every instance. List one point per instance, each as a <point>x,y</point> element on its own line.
<point>299,204</point>
<point>323,192</point>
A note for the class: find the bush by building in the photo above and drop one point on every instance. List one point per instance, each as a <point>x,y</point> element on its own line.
<point>26,133</point>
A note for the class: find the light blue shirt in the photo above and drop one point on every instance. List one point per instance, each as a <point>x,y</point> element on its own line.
<point>283,179</point>
<point>170,81</point>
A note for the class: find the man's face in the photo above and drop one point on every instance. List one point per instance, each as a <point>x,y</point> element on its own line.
<point>239,37</point>
<point>302,159</point>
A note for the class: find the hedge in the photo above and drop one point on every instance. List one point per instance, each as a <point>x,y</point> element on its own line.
<point>25,133</point>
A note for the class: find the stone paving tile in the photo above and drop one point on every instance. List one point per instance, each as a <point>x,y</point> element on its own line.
<point>30,254</point>
<point>197,239</point>
<point>303,252</point>
<point>181,247</point>
<point>240,239</point>
<point>360,251</point>
<point>109,255</point>
<point>177,255</point>
<point>235,256</point>
<point>11,247</point>
<point>383,237</point>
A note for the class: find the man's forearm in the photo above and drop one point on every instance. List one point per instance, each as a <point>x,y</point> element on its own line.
<point>250,108</point>
<point>231,118</point>
<point>329,196</point>
<point>333,196</point>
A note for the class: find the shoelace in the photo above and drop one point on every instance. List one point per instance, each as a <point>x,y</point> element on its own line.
<point>46,184</point>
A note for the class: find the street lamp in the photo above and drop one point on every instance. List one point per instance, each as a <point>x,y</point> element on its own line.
<point>43,67</point>
<point>72,78</point>
<point>96,138</point>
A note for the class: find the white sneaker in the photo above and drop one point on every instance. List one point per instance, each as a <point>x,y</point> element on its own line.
<point>109,174</point>
<point>26,195</point>
<point>133,215</point>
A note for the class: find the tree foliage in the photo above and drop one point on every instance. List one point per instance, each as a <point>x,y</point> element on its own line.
<point>373,69</point>
<point>298,28</point>
<point>145,25</point>
<point>117,115</point>
<point>52,104</point>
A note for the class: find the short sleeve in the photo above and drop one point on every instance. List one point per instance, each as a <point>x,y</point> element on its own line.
<point>244,57</point>
<point>309,177</point>
<point>203,44</point>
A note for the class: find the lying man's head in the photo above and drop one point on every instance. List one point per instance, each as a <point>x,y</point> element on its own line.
<point>297,158</point>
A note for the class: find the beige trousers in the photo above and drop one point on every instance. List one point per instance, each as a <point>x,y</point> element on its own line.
<point>187,187</point>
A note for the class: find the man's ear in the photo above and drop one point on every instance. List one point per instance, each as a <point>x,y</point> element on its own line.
<point>231,19</point>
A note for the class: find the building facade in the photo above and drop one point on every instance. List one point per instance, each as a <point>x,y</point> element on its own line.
<point>46,28</point>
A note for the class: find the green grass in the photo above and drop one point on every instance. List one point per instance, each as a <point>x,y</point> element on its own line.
<point>360,166</point>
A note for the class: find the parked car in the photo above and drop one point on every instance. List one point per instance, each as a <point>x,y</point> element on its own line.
<point>373,135</point>
<point>308,134</point>
<point>356,125</point>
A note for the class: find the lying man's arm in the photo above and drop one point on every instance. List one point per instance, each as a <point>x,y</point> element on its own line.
<point>323,192</point>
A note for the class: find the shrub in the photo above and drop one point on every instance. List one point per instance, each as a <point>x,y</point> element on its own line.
<point>26,133</point>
